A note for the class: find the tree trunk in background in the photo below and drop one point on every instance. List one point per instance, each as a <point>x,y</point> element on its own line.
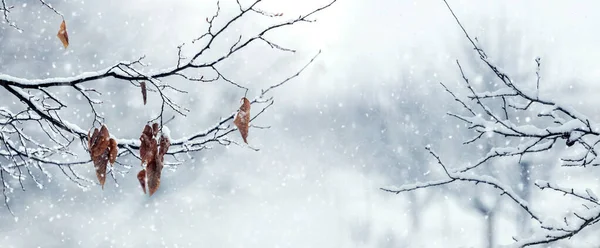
<point>415,210</point>
<point>523,222</point>
<point>490,223</point>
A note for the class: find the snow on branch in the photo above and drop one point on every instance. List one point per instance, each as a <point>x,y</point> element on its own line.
<point>23,151</point>
<point>588,195</point>
<point>582,220</point>
<point>491,116</point>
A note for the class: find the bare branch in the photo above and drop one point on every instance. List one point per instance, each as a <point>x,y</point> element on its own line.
<point>39,110</point>
<point>553,123</point>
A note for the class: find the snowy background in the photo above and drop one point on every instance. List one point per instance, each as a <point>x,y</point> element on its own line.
<point>356,120</point>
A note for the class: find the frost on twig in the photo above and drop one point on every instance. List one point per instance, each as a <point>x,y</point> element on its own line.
<point>490,116</point>
<point>38,132</point>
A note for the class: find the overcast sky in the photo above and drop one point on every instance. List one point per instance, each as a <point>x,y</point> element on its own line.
<point>354,121</point>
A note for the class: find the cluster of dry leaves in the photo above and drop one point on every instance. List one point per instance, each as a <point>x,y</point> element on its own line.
<point>103,149</point>
<point>152,154</point>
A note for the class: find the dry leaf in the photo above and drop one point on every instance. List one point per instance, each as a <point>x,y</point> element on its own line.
<point>62,34</point>
<point>103,150</point>
<point>153,171</point>
<point>152,154</point>
<point>165,143</point>
<point>242,119</point>
<point>143,86</point>
<point>101,142</point>
<point>100,166</point>
<point>141,176</point>
<point>92,139</point>
<point>147,146</point>
<point>114,151</point>
<point>155,129</point>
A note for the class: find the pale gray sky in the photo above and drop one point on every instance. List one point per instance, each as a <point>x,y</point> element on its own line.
<point>315,182</point>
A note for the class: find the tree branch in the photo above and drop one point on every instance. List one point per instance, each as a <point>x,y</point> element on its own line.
<point>552,124</point>
<point>40,110</point>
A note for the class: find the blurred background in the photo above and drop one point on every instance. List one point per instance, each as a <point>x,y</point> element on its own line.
<point>356,120</point>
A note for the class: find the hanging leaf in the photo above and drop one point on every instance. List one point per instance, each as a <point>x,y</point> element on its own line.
<point>92,138</point>
<point>143,86</point>
<point>165,143</point>
<point>242,119</point>
<point>148,145</point>
<point>114,151</point>
<point>103,150</point>
<point>155,129</point>
<point>62,34</point>
<point>153,172</point>
<point>100,165</point>
<point>101,142</point>
<point>152,154</point>
<point>141,176</point>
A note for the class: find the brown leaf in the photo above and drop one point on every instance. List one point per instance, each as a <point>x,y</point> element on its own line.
<point>153,172</point>
<point>164,147</point>
<point>114,151</point>
<point>245,105</point>
<point>93,139</point>
<point>155,129</point>
<point>148,145</point>
<point>143,86</point>
<point>242,119</point>
<point>141,176</point>
<point>147,131</point>
<point>101,142</point>
<point>102,150</point>
<point>152,153</point>
<point>100,166</point>
<point>62,34</point>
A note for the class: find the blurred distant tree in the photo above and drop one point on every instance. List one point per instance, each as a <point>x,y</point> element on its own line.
<point>505,45</point>
<point>519,127</point>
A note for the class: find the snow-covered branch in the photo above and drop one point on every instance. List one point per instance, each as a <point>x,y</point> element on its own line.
<point>493,117</point>
<point>56,137</point>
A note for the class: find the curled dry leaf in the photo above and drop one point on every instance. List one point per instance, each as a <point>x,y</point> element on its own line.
<point>165,143</point>
<point>141,176</point>
<point>114,151</point>
<point>155,129</point>
<point>103,150</point>
<point>152,154</point>
<point>101,143</point>
<point>62,34</point>
<point>242,119</point>
<point>100,165</point>
<point>148,145</point>
<point>92,139</point>
<point>153,172</point>
<point>143,86</point>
